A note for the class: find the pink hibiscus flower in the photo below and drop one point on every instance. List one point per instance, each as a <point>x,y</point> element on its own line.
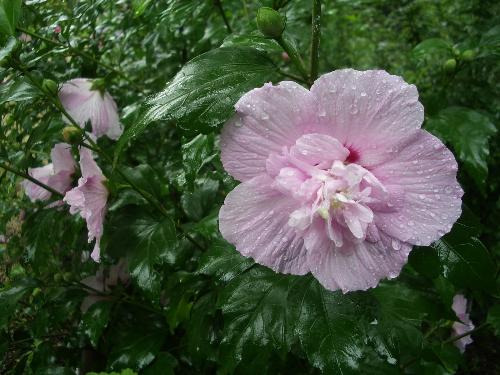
<point>459,306</point>
<point>339,180</point>
<point>56,175</point>
<point>86,104</point>
<point>89,199</point>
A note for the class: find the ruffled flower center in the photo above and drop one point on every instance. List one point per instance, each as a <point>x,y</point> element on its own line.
<point>315,172</point>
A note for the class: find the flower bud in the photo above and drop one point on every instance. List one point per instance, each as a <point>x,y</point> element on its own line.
<point>50,87</point>
<point>67,276</point>
<point>270,22</point>
<point>450,65</point>
<point>72,135</point>
<point>468,55</point>
<point>98,84</point>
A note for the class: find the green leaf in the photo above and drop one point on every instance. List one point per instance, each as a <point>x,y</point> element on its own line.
<point>468,132</point>
<point>329,326</point>
<point>10,11</point>
<point>10,296</point>
<point>494,318</point>
<point>180,12</point>
<point>195,154</point>
<point>126,371</point>
<point>465,260</point>
<point>95,320</point>
<point>433,48</point>
<point>490,43</point>
<point>202,95</point>
<point>155,238</point>
<point>197,204</point>
<point>425,261</point>
<point>140,6</point>
<point>136,341</point>
<point>223,261</point>
<point>164,364</point>
<point>10,46</point>
<point>17,90</point>
<point>256,41</point>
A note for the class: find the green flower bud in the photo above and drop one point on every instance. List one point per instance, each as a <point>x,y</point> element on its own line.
<point>468,55</point>
<point>450,65</point>
<point>36,292</point>
<point>72,135</point>
<point>17,271</point>
<point>50,87</point>
<point>67,276</point>
<point>270,22</point>
<point>58,277</point>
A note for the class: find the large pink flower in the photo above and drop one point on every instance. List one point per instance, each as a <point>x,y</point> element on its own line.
<point>459,306</point>
<point>85,104</point>
<point>89,199</point>
<point>339,181</point>
<point>56,175</point>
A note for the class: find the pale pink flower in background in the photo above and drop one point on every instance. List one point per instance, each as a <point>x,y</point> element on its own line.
<point>57,29</point>
<point>84,104</point>
<point>23,37</point>
<point>56,175</point>
<point>338,180</point>
<point>104,282</point>
<point>89,199</point>
<point>459,306</point>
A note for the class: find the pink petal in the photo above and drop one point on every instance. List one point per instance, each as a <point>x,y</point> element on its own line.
<point>354,266</point>
<point>319,148</point>
<point>367,111</point>
<point>266,120</point>
<point>62,158</point>
<point>88,166</point>
<point>34,191</point>
<point>254,218</point>
<point>425,171</point>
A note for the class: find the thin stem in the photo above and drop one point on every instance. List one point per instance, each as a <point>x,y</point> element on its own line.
<point>315,39</point>
<point>294,56</point>
<point>28,177</point>
<point>80,53</point>
<point>455,338</point>
<point>218,4</point>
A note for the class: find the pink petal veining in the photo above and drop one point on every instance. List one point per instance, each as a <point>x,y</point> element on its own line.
<point>339,181</point>
<point>84,104</point>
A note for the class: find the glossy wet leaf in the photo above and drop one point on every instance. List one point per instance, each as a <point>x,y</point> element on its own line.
<point>202,95</point>
<point>10,11</point>
<point>468,132</point>
<point>95,320</point>
<point>197,153</point>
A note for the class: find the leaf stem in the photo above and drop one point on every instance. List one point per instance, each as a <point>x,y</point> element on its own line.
<point>294,56</point>
<point>315,39</point>
<point>218,4</point>
<point>28,177</point>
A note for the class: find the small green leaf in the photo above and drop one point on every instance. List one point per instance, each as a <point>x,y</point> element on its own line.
<point>468,132</point>
<point>223,261</point>
<point>197,204</point>
<point>494,318</point>
<point>465,260</point>
<point>490,43</point>
<point>10,11</point>
<point>425,260</point>
<point>18,90</point>
<point>95,320</point>
<point>202,95</point>
<point>10,46</point>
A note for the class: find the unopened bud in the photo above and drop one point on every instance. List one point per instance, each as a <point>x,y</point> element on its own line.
<point>270,22</point>
<point>98,84</point>
<point>50,87</point>
<point>468,55</point>
<point>72,135</point>
<point>450,65</point>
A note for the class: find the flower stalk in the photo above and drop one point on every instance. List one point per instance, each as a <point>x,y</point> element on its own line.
<point>315,39</point>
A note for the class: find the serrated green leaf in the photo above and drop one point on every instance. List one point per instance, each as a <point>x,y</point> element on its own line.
<point>10,11</point>
<point>197,204</point>
<point>468,132</point>
<point>490,43</point>
<point>223,261</point>
<point>10,46</point>
<point>202,95</point>
<point>18,90</point>
<point>95,320</point>
<point>154,238</point>
<point>465,260</point>
<point>256,41</point>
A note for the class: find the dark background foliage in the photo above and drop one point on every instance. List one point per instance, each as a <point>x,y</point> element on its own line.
<point>193,304</point>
